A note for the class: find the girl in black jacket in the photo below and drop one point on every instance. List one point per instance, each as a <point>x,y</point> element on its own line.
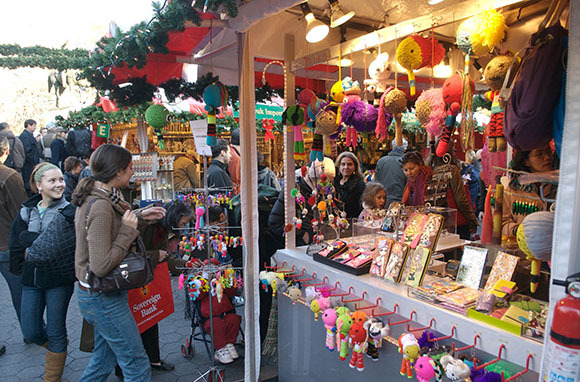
<point>42,289</point>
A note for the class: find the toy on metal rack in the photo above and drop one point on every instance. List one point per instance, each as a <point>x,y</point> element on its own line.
<point>535,240</point>
<point>358,340</point>
<point>409,347</point>
<point>426,369</point>
<point>295,293</point>
<point>343,324</point>
<point>329,318</point>
<point>377,330</point>
<point>455,369</point>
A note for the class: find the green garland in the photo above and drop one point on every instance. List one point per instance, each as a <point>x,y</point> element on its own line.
<point>14,56</point>
<point>94,114</point>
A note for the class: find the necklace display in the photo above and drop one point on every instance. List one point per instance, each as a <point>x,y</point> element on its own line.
<point>199,200</point>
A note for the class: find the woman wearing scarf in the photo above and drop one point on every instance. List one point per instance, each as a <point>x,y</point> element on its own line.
<point>417,177</point>
<point>105,230</point>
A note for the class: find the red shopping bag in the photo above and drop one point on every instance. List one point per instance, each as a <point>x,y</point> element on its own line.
<point>153,302</point>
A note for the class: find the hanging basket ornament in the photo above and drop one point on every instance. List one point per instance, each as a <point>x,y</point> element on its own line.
<point>214,96</point>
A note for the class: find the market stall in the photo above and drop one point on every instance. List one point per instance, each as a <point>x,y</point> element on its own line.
<point>525,354</point>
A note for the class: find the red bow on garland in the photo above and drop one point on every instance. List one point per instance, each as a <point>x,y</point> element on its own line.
<point>268,125</point>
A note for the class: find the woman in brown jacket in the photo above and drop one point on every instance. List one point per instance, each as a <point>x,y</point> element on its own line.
<point>105,230</point>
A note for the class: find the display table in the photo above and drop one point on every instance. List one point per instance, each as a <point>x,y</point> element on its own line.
<point>302,338</point>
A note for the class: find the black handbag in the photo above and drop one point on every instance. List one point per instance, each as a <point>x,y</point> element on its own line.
<point>134,271</point>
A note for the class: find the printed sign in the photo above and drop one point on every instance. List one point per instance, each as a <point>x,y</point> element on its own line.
<point>264,112</point>
<point>103,130</point>
<point>199,131</point>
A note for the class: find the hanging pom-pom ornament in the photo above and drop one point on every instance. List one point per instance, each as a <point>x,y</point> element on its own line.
<point>430,111</point>
<point>478,35</point>
<point>156,116</point>
<point>394,101</point>
<point>416,52</point>
<point>214,96</point>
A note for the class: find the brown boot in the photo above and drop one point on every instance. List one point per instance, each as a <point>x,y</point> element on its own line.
<point>54,366</point>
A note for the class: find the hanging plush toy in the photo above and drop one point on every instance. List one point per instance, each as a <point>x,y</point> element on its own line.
<point>377,330</point>
<point>416,52</point>
<point>452,96</point>
<point>535,240</point>
<point>351,91</point>
<point>343,324</point>
<point>430,111</point>
<point>409,347</point>
<point>293,116</point>
<point>394,102</point>
<point>358,339</point>
<point>479,34</point>
<point>326,123</point>
<point>156,117</point>
<point>494,73</point>
<point>426,369</point>
<point>360,116</point>
<point>379,72</point>
<point>329,318</point>
<point>317,143</point>
<point>214,96</point>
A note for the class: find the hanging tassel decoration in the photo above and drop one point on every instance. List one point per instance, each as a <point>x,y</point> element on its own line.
<point>316,149</point>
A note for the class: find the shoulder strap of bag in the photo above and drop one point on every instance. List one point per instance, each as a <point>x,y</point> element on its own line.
<point>87,214</point>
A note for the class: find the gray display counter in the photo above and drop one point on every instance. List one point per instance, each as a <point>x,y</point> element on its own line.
<point>303,356</point>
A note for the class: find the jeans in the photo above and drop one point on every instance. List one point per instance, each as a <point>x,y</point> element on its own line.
<point>116,337</point>
<point>55,301</point>
<point>14,281</point>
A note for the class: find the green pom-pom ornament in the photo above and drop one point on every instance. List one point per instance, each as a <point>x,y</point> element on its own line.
<point>156,116</point>
<point>294,192</point>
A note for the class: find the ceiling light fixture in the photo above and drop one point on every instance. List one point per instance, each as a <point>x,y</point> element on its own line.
<point>433,2</point>
<point>316,30</point>
<point>337,15</point>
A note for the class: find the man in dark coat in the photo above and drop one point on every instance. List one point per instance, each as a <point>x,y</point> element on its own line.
<point>58,148</point>
<point>32,155</point>
<point>390,174</point>
<point>16,156</point>
<point>217,175</point>
<point>12,195</point>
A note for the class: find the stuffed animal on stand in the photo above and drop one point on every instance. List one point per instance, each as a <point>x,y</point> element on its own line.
<point>214,96</point>
<point>416,52</point>
<point>376,330</point>
<point>343,324</point>
<point>452,95</point>
<point>494,73</point>
<point>409,347</point>
<point>358,340</point>
<point>329,318</point>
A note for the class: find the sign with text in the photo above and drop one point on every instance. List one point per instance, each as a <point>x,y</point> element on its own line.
<point>199,131</point>
<point>264,111</point>
<point>154,301</point>
<point>103,130</point>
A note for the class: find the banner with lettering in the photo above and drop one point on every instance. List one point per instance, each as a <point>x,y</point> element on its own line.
<point>153,302</point>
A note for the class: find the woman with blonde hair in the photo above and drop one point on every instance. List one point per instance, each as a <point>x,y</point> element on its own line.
<point>349,184</point>
<point>44,289</point>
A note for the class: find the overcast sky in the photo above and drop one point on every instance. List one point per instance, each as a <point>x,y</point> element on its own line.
<point>79,22</point>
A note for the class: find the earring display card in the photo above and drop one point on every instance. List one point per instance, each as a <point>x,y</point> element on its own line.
<point>396,262</point>
<point>416,266</point>
<point>472,266</point>
<point>503,268</point>
<point>381,256</point>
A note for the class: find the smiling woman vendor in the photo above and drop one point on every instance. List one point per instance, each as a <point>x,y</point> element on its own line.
<point>349,184</point>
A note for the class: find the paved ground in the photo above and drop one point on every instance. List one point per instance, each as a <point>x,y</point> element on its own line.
<point>26,362</point>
